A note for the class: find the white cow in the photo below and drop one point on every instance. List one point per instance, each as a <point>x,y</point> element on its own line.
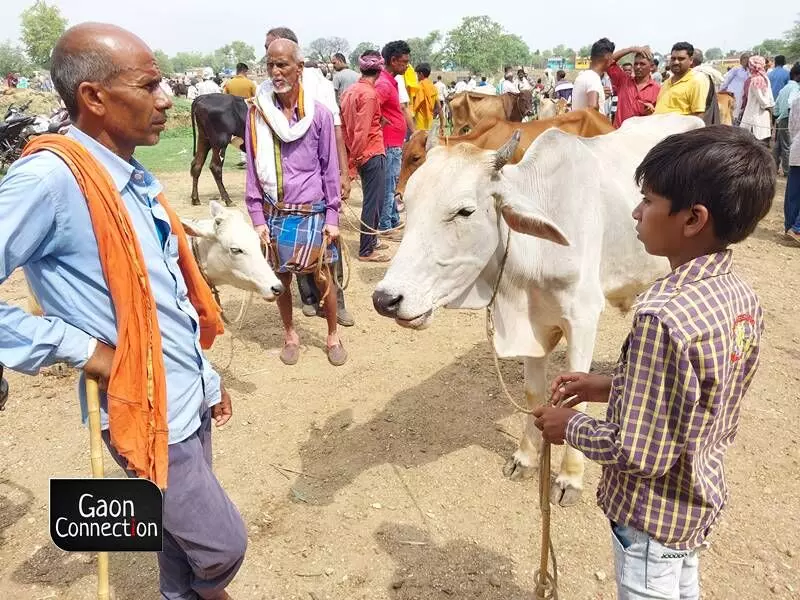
<point>229,252</point>
<point>573,245</point>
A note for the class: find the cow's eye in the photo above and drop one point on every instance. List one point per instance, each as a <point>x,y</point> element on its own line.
<point>237,251</point>
<point>465,212</point>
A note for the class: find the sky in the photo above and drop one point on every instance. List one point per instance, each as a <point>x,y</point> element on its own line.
<point>204,25</point>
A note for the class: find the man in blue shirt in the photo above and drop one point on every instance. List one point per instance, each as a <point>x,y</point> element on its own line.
<point>109,81</point>
<point>778,76</point>
<point>783,102</point>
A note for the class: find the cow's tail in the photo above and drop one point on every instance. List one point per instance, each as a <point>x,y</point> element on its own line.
<point>194,135</point>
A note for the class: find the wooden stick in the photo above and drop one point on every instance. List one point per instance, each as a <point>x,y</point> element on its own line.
<point>96,453</point>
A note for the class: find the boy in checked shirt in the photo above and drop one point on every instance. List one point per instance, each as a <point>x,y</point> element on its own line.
<point>676,394</point>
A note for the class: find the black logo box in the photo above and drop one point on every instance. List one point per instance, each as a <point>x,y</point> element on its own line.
<point>106,515</point>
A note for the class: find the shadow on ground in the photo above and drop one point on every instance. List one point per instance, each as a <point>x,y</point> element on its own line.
<point>457,569</point>
<point>456,408</point>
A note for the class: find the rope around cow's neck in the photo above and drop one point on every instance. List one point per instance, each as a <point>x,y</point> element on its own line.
<point>546,583</point>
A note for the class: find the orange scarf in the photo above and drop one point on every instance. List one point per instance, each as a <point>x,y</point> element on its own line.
<point>137,388</point>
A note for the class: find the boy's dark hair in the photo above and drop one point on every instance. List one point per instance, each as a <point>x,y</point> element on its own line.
<point>780,60</point>
<point>684,46</point>
<point>370,72</point>
<point>720,167</point>
<point>560,74</point>
<point>602,47</point>
<point>655,62</point>
<point>242,67</point>
<point>339,56</point>
<point>424,69</point>
<point>794,74</point>
<point>395,49</point>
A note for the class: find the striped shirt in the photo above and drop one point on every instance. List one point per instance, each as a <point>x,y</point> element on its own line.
<point>675,402</point>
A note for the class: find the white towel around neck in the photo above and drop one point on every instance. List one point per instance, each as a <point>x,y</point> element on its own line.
<point>277,123</point>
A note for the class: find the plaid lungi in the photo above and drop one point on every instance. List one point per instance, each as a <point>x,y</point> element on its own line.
<point>295,232</point>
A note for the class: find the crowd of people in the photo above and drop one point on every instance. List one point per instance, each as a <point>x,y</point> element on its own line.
<point>305,138</point>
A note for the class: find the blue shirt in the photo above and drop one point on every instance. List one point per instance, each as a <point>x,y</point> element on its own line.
<point>734,83</point>
<point>778,78</point>
<point>784,100</point>
<point>45,228</point>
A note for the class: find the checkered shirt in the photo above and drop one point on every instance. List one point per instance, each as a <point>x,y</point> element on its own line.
<point>675,401</point>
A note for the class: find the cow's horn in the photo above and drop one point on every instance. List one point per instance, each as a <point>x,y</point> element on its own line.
<point>433,137</point>
<point>506,151</point>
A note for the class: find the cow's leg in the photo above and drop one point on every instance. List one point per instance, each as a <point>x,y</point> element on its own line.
<point>200,155</point>
<point>217,161</point>
<point>580,336</point>
<point>524,461</point>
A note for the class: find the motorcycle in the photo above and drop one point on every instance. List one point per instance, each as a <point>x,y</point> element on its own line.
<point>18,128</point>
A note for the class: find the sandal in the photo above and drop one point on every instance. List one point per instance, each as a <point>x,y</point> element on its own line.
<point>337,355</point>
<point>375,257</point>
<point>290,354</point>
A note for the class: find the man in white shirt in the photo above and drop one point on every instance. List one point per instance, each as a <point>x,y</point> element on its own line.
<point>208,85</point>
<point>587,91</point>
<point>509,85</point>
<point>441,88</point>
<point>522,81</point>
<point>461,86</point>
<point>792,198</point>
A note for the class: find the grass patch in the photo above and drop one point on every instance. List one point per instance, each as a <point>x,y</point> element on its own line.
<point>174,153</point>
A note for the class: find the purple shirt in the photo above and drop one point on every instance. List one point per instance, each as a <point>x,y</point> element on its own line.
<point>675,402</point>
<point>310,169</point>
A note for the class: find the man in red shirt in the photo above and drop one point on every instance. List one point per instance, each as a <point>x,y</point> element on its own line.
<point>637,96</point>
<point>396,56</point>
<point>361,122</point>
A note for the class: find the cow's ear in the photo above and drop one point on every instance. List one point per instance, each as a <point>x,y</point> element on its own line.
<point>530,221</point>
<point>204,229</point>
<point>216,209</point>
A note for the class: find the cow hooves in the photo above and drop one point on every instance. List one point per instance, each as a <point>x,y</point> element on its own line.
<point>516,471</point>
<point>228,203</point>
<point>564,493</point>
<point>195,202</point>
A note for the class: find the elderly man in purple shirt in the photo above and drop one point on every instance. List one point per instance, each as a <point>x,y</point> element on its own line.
<point>292,189</point>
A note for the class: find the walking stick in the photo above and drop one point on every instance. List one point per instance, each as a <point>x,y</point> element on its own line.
<point>96,453</point>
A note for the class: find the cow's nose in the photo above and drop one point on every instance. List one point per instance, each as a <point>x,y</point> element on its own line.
<point>386,304</point>
<point>277,289</point>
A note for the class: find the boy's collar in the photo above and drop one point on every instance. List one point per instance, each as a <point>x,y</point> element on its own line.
<point>702,267</point>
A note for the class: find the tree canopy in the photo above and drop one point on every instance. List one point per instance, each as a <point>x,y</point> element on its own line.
<point>322,48</point>
<point>359,50</point>
<point>483,46</point>
<point>41,26</point>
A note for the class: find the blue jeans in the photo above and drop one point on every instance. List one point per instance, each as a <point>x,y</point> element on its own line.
<point>648,570</point>
<point>791,201</point>
<point>390,218</point>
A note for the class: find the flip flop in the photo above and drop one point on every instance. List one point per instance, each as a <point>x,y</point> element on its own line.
<point>290,354</point>
<point>380,245</point>
<point>337,355</point>
<point>376,257</point>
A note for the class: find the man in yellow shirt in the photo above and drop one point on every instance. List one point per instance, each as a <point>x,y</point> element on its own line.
<point>425,104</point>
<point>682,93</point>
<point>240,85</point>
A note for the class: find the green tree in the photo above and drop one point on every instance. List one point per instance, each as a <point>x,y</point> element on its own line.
<point>183,61</point>
<point>793,41</point>
<point>164,62</point>
<point>13,59</point>
<point>483,46</point>
<point>423,49</point>
<point>714,54</point>
<point>322,48</point>
<point>770,47</point>
<point>560,50</point>
<point>42,25</point>
<point>585,51</point>
<point>359,50</point>
<point>230,54</point>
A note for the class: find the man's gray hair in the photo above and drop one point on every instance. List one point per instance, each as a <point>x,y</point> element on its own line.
<point>283,33</point>
<point>697,57</point>
<point>70,67</point>
<point>297,53</point>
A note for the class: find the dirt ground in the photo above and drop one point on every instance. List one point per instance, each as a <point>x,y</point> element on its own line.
<point>382,479</point>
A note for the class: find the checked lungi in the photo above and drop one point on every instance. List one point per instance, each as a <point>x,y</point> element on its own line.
<point>295,233</point>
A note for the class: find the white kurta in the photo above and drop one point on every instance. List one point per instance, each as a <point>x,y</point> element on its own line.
<point>756,115</point>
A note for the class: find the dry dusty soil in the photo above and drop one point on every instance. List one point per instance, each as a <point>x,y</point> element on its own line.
<point>382,479</point>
